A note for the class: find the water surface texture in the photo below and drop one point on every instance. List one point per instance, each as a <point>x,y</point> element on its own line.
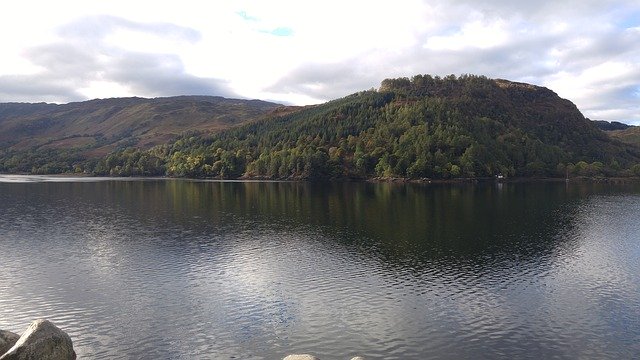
<point>178,269</point>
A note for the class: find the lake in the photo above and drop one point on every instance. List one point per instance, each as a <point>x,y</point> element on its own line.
<point>180,269</point>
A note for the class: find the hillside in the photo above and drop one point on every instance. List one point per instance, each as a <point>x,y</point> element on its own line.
<point>630,135</point>
<point>98,127</point>
<point>424,127</point>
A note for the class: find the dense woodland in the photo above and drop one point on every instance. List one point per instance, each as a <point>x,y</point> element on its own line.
<point>423,127</point>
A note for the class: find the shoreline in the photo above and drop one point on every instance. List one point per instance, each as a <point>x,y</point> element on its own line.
<point>398,180</point>
<point>378,180</point>
<point>581,179</point>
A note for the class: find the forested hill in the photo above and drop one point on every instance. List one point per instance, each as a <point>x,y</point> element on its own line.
<point>423,127</point>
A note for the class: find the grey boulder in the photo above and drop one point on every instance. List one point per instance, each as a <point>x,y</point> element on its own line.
<point>44,341</point>
<point>7,339</point>
<point>311,357</point>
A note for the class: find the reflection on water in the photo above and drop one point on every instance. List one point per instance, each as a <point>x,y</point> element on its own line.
<point>185,269</point>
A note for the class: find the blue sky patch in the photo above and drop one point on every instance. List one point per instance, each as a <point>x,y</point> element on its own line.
<point>630,21</point>
<point>280,31</point>
<point>245,16</point>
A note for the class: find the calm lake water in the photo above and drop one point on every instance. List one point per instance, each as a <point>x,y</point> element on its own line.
<point>177,269</point>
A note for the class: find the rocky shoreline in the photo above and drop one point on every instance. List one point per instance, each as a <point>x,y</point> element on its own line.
<point>311,357</point>
<point>44,341</point>
<point>41,340</point>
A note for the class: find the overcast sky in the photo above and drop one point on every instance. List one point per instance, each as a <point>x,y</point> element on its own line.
<point>304,52</point>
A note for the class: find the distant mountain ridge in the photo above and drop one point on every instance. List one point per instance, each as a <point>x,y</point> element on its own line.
<point>100,126</point>
<point>610,125</point>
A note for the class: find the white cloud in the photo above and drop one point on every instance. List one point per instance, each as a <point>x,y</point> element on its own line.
<point>303,52</point>
<point>98,89</point>
<point>603,77</point>
<point>475,35</point>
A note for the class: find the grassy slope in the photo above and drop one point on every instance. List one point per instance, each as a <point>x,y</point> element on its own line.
<point>99,126</point>
<point>630,135</point>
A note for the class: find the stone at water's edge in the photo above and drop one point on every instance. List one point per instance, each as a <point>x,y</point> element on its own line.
<point>301,357</point>
<point>7,339</point>
<point>311,357</point>
<point>43,341</point>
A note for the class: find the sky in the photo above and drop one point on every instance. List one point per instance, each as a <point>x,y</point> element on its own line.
<point>305,52</point>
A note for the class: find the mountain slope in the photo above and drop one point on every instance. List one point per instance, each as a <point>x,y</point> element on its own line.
<point>426,126</point>
<point>627,134</point>
<point>97,127</point>
<point>630,135</point>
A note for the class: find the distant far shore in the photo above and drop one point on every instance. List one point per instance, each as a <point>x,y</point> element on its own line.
<point>511,180</point>
<point>88,177</point>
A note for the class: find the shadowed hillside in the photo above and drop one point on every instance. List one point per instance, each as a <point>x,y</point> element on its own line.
<point>610,125</point>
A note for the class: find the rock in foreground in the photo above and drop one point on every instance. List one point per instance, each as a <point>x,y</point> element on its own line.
<point>301,357</point>
<point>311,357</point>
<point>7,339</point>
<point>42,341</point>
